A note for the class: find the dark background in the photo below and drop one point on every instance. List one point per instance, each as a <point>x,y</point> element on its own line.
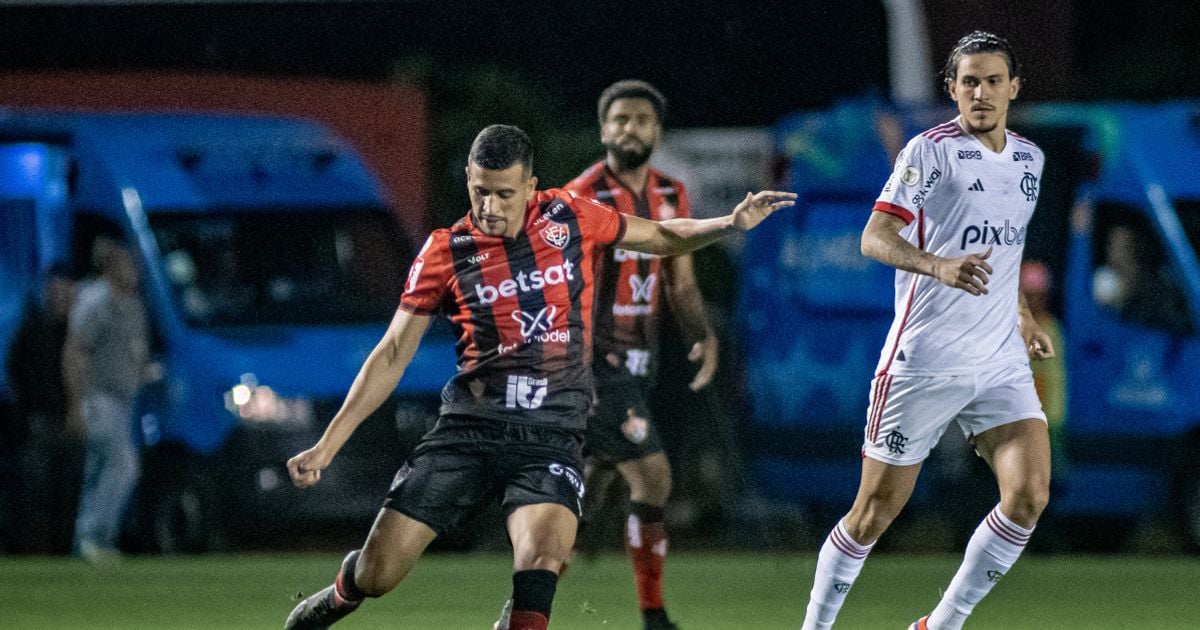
<point>541,65</point>
<point>722,63</point>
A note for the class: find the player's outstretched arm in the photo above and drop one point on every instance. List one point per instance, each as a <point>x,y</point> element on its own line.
<point>375,381</point>
<point>680,236</point>
<point>881,240</point>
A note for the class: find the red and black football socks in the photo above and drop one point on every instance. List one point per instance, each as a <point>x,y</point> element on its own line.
<point>646,544</point>
<point>532,596</point>
<point>344,586</point>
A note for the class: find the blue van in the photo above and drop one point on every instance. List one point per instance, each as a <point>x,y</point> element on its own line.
<point>1118,214</point>
<point>271,267</point>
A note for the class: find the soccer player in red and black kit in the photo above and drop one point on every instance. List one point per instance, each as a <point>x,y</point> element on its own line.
<point>515,278</point>
<point>621,434</point>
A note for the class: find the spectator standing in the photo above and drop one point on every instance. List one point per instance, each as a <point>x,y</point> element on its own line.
<point>104,363</point>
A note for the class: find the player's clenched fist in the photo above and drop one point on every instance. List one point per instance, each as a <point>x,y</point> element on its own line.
<point>305,468</point>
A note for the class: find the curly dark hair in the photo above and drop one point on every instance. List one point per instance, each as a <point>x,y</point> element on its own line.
<point>632,88</point>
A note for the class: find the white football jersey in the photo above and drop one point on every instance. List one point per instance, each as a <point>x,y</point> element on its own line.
<point>959,198</point>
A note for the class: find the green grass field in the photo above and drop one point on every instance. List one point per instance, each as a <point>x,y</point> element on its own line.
<point>760,591</point>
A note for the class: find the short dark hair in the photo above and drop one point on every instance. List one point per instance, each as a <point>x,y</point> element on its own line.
<point>498,147</point>
<point>632,88</point>
<point>974,44</point>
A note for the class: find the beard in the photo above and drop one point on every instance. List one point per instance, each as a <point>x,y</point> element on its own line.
<point>981,128</point>
<point>629,159</point>
<point>984,127</point>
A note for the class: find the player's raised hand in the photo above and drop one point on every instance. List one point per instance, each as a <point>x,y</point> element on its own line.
<point>305,467</point>
<point>758,206</point>
<point>969,273</point>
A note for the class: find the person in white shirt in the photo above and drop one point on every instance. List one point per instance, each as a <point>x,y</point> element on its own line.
<point>952,220</point>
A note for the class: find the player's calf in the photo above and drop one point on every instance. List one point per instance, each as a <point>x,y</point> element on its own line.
<point>329,605</point>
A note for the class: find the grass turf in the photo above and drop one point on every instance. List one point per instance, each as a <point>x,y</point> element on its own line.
<point>715,591</point>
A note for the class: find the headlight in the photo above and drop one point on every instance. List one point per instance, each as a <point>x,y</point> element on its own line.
<point>260,404</point>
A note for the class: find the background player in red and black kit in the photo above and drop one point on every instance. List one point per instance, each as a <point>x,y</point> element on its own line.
<point>515,278</point>
<point>621,434</point>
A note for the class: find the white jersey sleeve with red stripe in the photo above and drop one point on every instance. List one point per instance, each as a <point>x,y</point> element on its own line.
<point>959,197</point>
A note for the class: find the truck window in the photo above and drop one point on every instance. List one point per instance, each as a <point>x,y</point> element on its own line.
<point>264,267</point>
<point>1131,274</point>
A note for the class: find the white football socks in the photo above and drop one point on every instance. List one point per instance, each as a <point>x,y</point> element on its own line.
<point>838,565</point>
<point>992,550</point>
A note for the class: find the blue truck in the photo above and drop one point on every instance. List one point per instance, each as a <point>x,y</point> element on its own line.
<point>271,265</point>
<point>1121,189</point>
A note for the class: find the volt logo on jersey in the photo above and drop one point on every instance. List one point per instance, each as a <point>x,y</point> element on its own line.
<point>643,288</point>
<point>986,234</point>
<point>525,392</point>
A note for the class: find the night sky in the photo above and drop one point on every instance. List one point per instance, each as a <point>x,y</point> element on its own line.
<point>731,63</point>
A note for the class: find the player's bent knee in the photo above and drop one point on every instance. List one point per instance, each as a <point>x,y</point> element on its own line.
<point>1026,505</point>
<point>867,525</point>
<point>547,562</point>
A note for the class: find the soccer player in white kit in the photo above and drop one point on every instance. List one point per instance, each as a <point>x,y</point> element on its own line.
<point>952,220</point>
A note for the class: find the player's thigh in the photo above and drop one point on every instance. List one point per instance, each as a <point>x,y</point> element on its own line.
<point>647,476</point>
<point>1006,425</point>
<point>907,415</point>
<point>1019,454</point>
<point>885,488</point>
<point>542,535</point>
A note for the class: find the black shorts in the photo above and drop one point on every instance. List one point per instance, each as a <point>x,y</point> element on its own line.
<point>621,428</point>
<point>465,461</point>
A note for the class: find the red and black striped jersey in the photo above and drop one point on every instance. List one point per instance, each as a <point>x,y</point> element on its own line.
<point>521,307</point>
<point>627,282</point>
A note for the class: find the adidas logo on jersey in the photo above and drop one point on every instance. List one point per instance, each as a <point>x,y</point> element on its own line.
<point>977,186</point>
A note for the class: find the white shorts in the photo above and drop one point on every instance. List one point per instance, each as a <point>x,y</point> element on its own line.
<point>908,414</point>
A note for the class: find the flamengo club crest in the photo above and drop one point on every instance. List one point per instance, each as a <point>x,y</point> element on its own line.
<point>556,234</point>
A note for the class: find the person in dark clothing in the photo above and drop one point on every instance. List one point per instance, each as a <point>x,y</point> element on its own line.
<point>48,451</point>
